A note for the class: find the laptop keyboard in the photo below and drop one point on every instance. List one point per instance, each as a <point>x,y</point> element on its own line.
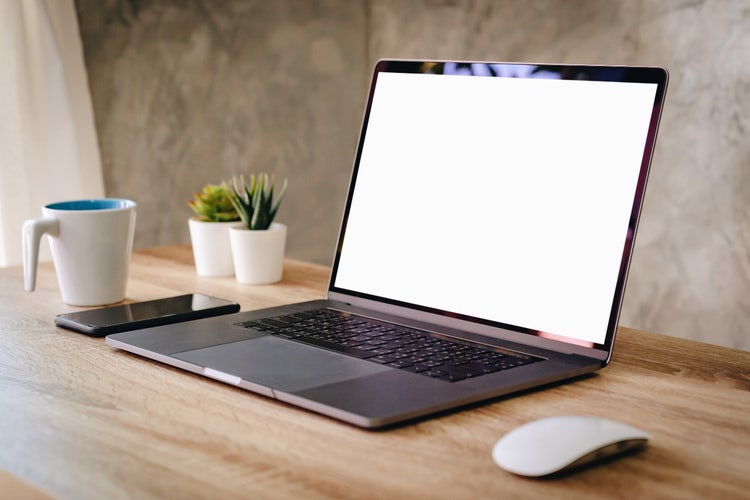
<point>409,349</point>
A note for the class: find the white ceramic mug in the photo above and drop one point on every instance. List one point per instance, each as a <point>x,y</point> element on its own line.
<point>91,242</point>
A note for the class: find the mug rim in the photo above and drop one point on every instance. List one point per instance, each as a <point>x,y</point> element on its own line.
<point>92,205</point>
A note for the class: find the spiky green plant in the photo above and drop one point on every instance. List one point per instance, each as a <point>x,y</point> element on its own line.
<point>214,204</point>
<point>254,201</point>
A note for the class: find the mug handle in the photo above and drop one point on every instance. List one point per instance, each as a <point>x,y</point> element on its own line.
<point>32,234</point>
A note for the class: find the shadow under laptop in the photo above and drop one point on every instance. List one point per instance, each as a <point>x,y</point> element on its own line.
<point>479,404</point>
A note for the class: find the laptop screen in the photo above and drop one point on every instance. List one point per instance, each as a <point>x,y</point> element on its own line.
<point>503,193</point>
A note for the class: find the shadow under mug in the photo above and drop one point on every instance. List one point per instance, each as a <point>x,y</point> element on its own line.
<point>91,242</point>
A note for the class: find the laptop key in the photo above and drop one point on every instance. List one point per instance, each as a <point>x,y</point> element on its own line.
<point>260,327</point>
<point>273,322</point>
<point>401,363</point>
<point>383,359</point>
<point>302,315</point>
<point>464,371</point>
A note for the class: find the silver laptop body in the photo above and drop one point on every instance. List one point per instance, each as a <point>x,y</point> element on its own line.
<point>491,205</point>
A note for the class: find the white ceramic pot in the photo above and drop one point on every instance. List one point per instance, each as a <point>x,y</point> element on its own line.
<point>211,247</point>
<point>258,255</point>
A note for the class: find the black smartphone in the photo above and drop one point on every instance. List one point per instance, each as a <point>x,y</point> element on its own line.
<point>120,318</point>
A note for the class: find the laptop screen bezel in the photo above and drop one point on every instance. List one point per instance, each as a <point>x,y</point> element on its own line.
<point>636,74</point>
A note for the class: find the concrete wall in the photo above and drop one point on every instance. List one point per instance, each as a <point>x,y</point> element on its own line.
<point>187,93</point>
<point>192,92</point>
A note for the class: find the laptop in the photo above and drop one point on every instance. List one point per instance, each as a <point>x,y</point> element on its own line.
<point>483,251</point>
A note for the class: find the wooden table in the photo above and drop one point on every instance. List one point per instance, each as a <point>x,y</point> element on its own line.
<point>81,420</point>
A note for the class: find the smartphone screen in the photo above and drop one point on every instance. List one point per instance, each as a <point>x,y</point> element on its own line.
<point>120,318</point>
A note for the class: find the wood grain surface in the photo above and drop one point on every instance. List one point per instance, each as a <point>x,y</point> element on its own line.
<point>79,419</point>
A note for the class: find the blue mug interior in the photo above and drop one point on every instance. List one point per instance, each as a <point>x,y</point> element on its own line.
<point>95,204</point>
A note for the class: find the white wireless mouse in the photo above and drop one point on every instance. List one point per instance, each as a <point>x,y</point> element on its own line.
<point>557,444</point>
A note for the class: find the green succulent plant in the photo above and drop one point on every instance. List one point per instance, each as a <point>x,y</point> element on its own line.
<point>214,204</point>
<point>254,201</point>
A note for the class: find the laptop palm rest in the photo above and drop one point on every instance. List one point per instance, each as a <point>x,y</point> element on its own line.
<point>280,364</point>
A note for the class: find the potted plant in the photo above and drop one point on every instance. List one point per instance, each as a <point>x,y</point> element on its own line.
<point>209,230</point>
<point>258,243</point>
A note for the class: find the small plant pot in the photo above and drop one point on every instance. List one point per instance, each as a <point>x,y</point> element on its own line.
<point>211,247</point>
<point>258,254</point>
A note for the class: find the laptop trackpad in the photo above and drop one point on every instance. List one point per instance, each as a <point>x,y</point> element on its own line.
<point>280,364</point>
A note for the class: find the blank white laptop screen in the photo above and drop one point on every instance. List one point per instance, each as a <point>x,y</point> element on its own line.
<point>506,199</point>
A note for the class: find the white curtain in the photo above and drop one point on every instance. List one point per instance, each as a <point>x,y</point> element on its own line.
<point>48,145</point>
